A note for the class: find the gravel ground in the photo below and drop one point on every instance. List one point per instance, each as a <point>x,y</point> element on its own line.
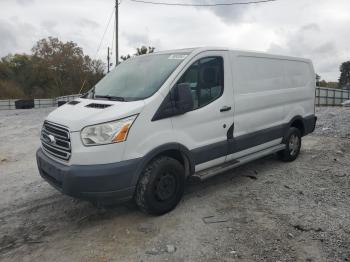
<point>332,122</point>
<point>263,211</point>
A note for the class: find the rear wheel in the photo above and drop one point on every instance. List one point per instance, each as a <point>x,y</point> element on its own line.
<point>161,186</point>
<point>292,141</point>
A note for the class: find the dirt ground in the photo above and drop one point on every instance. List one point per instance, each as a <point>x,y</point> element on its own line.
<point>263,211</point>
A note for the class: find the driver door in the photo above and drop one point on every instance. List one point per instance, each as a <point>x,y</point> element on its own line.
<point>204,130</point>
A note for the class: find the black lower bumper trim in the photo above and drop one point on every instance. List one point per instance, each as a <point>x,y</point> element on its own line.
<point>91,182</point>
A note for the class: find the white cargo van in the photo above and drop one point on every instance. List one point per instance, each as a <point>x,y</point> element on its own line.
<point>158,119</point>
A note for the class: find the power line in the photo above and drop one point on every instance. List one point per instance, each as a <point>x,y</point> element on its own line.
<point>104,34</point>
<point>203,5</point>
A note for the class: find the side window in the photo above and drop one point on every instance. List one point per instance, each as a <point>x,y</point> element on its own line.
<point>206,79</point>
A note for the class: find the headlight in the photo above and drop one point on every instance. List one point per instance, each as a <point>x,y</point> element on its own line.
<point>107,133</point>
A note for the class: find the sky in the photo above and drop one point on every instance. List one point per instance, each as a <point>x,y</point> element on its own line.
<point>315,29</point>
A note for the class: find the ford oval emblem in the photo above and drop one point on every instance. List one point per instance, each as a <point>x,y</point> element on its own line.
<point>52,139</point>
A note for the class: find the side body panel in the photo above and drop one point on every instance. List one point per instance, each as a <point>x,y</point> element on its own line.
<point>269,91</point>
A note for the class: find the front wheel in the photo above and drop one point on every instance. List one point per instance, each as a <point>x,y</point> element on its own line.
<point>161,186</point>
<point>292,141</point>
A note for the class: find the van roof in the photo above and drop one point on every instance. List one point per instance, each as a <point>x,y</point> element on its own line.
<point>197,50</point>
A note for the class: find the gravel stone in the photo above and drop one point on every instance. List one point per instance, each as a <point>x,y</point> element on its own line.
<point>295,211</point>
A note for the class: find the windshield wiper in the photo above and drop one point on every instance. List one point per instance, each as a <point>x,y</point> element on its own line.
<point>112,98</point>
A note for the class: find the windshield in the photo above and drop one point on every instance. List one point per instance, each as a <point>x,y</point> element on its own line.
<point>137,78</point>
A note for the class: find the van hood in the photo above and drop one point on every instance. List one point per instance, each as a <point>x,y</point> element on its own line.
<point>86,112</point>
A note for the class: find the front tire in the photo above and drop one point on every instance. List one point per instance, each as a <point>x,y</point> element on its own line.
<point>292,141</point>
<point>161,186</point>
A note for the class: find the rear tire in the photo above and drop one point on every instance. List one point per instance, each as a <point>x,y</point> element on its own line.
<point>161,186</point>
<point>292,141</point>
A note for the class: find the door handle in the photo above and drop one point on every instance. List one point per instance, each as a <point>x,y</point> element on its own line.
<point>225,109</point>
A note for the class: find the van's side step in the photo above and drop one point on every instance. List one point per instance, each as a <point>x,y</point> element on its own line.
<point>213,171</point>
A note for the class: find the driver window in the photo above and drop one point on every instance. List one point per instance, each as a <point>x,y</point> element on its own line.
<point>206,80</point>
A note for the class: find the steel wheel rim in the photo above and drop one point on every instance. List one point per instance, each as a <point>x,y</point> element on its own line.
<point>165,187</point>
<point>294,144</point>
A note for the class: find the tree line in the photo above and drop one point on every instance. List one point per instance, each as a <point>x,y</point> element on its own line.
<point>55,68</point>
<point>344,78</point>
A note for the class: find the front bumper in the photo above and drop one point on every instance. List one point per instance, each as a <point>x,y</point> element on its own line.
<point>92,182</point>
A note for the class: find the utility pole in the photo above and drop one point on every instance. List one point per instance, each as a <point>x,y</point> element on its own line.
<point>108,60</point>
<point>117,32</point>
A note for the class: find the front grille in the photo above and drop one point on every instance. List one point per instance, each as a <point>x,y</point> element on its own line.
<point>55,140</point>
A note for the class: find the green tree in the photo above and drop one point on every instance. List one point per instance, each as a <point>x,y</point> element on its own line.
<point>18,70</point>
<point>68,69</point>
<point>324,83</point>
<point>344,74</point>
<point>143,50</point>
<point>10,90</point>
<point>332,84</point>
<point>54,68</point>
<point>126,57</point>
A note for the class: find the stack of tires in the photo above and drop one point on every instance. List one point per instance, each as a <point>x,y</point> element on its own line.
<point>24,104</point>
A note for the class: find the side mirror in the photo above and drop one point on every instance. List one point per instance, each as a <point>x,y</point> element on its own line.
<point>178,102</point>
<point>183,98</point>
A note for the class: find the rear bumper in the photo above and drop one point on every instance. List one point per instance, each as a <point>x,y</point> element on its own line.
<point>310,124</point>
<point>92,182</point>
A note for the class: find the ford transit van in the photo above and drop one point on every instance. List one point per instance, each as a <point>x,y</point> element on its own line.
<point>158,119</point>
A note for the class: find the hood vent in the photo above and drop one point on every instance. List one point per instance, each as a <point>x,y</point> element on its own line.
<point>98,106</point>
<point>73,103</point>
